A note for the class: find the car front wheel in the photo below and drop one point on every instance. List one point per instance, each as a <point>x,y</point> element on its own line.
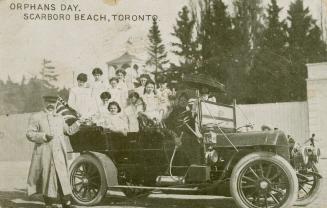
<point>88,180</point>
<point>263,179</point>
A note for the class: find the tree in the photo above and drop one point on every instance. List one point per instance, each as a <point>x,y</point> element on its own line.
<point>315,47</point>
<point>248,30</point>
<point>48,74</point>
<point>156,50</point>
<point>25,96</point>
<point>247,35</point>
<point>214,39</point>
<point>11,97</point>
<point>270,68</point>
<point>305,45</point>
<point>183,31</point>
<point>274,35</point>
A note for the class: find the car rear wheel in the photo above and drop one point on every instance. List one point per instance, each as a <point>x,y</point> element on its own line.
<point>88,180</point>
<point>263,179</point>
<point>310,184</point>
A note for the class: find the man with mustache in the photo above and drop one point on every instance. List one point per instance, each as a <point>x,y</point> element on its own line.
<point>48,173</point>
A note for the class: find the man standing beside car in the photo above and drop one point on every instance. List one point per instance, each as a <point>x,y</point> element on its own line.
<point>48,173</point>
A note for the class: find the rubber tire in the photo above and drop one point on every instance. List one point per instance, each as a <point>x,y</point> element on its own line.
<point>270,157</point>
<point>103,188</point>
<point>314,194</point>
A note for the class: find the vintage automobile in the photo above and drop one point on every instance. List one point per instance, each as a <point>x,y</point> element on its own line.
<point>254,168</point>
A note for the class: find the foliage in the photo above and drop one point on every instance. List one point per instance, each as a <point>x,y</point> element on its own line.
<point>215,39</point>
<point>305,46</point>
<point>185,47</point>
<point>48,73</point>
<point>256,54</point>
<point>270,72</point>
<point>246,37</point>
<point>25,97</point>
<point>156,50</point>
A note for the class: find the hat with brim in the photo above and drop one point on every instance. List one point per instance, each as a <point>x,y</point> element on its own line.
<point>50,98</point>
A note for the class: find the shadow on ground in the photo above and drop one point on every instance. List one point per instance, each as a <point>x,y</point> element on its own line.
<point>8,199</point>
<point>156,202</point>
<point>19,198</point>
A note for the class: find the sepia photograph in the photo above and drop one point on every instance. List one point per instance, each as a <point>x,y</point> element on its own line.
<point>163,103</point>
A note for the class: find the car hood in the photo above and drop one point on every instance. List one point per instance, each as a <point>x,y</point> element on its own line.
<point>275,138</point>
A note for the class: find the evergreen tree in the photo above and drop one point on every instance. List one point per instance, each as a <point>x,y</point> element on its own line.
<point>10,98</point>
<point>25,96</point>
<point>48,74</point>
<point>274,36</point>
<point>34,91</point>
<point>214,38</point>
<point>183,31</point>
<point>305,45</point>
<point>156,50</point>
<point>315,47</point>
<point>270,70</point>
<point>248,27</point>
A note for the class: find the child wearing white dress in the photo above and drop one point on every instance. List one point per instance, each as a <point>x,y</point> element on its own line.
<point>134,108</point>
<point>80,97</point>
<point>142,81</point>
<point>115,121</point>
<point>98,86</point>
<point>103,111</point>
<point>153,110</point>
<point>121,74</point>
<point>117,93</point>
<point>165,96</point>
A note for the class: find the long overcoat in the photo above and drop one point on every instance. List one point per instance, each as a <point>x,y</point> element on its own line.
<point>49,159</point>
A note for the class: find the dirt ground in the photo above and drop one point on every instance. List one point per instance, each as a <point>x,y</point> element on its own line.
<point>13,194</point>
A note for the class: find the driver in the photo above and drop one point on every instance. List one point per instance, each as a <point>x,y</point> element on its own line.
<point>182,122</point>
<point>205,95</point>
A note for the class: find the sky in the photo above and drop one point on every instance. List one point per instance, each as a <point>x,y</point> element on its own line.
<point>80,46</point>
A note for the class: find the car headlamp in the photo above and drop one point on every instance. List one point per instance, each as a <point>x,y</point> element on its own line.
<point>212,156</point>
<point>210,137</point>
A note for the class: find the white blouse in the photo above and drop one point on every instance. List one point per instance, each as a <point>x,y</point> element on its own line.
<point>80,100</point>
<point>131,112</point>
<point>152,106</point>
<point>119,95</point>
<point>115,122</point>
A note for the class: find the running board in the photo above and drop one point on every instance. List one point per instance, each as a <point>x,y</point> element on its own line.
<point>154,188</point>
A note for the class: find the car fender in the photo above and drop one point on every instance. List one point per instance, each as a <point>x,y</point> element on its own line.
<point>108,166</point>
<point>235,158</point>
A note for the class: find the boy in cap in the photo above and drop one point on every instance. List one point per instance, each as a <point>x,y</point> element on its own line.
<point>48,173</point>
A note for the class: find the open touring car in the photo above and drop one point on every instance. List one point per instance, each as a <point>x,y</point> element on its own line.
<point>255,168</point>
